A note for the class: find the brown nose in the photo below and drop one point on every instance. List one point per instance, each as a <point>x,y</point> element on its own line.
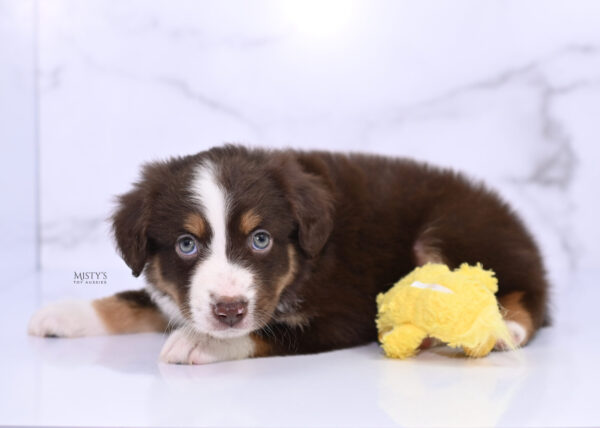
<point>230,312</point>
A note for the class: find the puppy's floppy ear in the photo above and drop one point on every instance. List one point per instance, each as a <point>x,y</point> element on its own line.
<point>311,201</point>
<point>130,222</point>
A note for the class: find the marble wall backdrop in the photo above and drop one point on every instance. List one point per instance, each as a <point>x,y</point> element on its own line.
<point>507,91</point>
<point>18,231</point>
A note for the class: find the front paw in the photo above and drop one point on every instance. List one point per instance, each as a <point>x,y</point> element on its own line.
<point>178,348</point>
<point>66,319</point>
<point>193,348</point>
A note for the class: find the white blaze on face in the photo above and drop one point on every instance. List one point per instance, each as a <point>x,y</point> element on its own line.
<point>216,277</point>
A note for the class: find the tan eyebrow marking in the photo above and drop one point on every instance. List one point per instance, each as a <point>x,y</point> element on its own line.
<point>249,221</point>
<point>194,223</point>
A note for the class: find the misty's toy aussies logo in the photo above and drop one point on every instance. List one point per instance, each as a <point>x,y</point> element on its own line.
<point>89,278</point>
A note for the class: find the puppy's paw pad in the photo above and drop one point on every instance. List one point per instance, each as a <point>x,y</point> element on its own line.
<point>66,319</point>
<point>518,333</point>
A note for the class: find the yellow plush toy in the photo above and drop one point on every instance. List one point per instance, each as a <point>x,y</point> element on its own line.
<point>457,307</point>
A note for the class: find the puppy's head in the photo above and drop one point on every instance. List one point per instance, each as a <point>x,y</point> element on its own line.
<point>221,235</point>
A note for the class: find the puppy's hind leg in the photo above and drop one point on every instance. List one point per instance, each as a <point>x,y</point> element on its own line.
<point>518,319</point>
<point>426,250</point>
<point>126,312</point>
<point>523,288</point>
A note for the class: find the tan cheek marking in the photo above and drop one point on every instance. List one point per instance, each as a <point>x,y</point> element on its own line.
<point>287,278</point>
<point>156,278</point>
<point>194,223</point>
<point>261,347</point>
<point>249,221</point>
<point>295,319</point>
<point>513,310</point>
<point>121,316</point>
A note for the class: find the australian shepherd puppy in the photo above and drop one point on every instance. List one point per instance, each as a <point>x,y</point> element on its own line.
<point>250,253</point>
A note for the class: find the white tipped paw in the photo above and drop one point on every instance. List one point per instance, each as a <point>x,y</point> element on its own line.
<point>518,333</point>
<point>180,348</point>
<point>66,319</point>
<point>186,348</point>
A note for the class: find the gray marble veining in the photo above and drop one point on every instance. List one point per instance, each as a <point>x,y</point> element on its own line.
<point>513,106</point>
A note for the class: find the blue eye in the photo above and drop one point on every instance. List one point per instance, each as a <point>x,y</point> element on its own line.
<point>260,240</point>
<point>186,246</point>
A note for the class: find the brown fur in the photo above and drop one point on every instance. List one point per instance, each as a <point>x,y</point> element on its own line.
<point>425,251</point>
<point>355,223</point>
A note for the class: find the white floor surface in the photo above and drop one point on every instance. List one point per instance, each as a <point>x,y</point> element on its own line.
<point>117,381</point>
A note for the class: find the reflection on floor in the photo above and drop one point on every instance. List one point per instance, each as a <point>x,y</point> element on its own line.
<point>117,381</point>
